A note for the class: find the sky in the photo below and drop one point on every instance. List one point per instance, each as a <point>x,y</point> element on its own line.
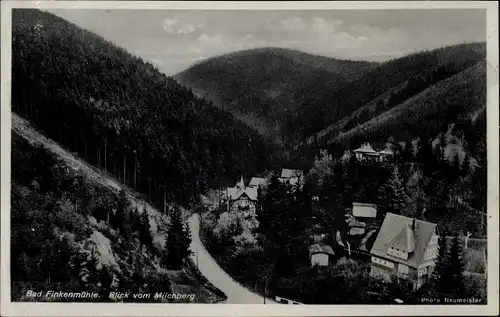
<point>173,40</point>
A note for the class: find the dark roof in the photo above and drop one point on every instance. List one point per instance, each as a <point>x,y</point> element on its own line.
<point>395,230</point>
<point>317,248</point>
<point>357,224</point>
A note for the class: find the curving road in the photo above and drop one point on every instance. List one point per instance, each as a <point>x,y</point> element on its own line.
<point>236,294</point>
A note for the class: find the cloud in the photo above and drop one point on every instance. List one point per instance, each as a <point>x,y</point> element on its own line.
<point>206,39</point>
<point>186,30</point>
<point>322,26</point>
<point>169,24</point>
<point>391,35</point>
<point>293,24</point>
<point>176,25</point>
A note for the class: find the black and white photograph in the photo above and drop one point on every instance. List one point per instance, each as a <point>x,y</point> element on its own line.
<point>271,156</point>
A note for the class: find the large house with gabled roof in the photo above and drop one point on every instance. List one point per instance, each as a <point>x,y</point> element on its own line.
<point>405,250</point>
<point>242,198</point>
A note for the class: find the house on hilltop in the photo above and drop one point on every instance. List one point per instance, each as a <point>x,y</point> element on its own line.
<point>292,177</point>
<point>405,251</point>
<point>366,153</point>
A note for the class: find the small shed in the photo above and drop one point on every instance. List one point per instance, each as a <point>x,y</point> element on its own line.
<point>357,228</point>
<point>320,254</point>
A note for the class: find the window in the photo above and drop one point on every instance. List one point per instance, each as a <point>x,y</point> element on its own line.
<point>422,271</point>
<point>382,262</point>
<point>403,269</point>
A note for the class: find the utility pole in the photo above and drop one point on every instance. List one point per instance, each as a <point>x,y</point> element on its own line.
<point>265,289</point>
<point>467,239</point>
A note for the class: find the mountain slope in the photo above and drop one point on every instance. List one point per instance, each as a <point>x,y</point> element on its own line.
<point>428,113</point>
<point>265,87</point>
<point>412,73</point>
<point>75,228</point>
<point>122,115</point>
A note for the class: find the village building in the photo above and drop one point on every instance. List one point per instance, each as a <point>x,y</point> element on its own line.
<point>405,251</point>
<point>364,212</point>
<point>292,177</point>
<point>257,182</point>
<point>357,228</point>
<point>241,198</point>
<point>320,254</point>
<point>366,153</point>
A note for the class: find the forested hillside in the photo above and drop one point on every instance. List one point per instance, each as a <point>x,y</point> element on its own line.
<point>415,97</point>
<point>392,83</point>
<point>123,116</point>
<point>267,87</point>
<point>75,230</point>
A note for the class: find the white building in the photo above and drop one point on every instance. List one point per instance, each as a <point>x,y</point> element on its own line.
<point>362,211</point>
<point>320,254</point>
<point>366,152</point>
<point>405,251</point>
<point>292,177</point>
<point>241,198</point>
<point>257,182</point>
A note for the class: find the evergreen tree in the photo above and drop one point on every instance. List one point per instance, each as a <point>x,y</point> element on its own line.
<point>465,166</point>
<point>119,218</point>
<point>177,241</point>
<point>437,191</point>
<point>145,229</point>
<point>441,265</point>
<point>453,169</point>
<point>105,279</point>
<point>92,276</point>
<point>456,266</point>
<point>392,195</point>
<point>135,219</point>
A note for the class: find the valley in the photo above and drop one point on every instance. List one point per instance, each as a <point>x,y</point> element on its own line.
<point>123,178</point>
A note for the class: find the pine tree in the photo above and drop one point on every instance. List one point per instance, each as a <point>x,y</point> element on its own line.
<point>177,241</point>
<point>465,166</point>
<point>437,191</point>
<point>439,273</point>
<point>145,229</point>
<point>456,266</point>
<point>92,271</point>
<point>119,219</point>
<point>392,196</point>
<point>105,279</point>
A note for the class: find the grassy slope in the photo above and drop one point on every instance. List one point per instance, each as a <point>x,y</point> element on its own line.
<point>266,86</point>
<point>86,232</point>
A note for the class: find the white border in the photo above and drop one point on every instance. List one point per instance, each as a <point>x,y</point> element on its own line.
<point>65,309</point>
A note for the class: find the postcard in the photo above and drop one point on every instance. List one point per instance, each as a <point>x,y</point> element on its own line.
<point>249,158</point>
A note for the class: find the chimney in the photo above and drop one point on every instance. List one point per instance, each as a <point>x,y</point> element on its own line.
<point>413,224</point>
